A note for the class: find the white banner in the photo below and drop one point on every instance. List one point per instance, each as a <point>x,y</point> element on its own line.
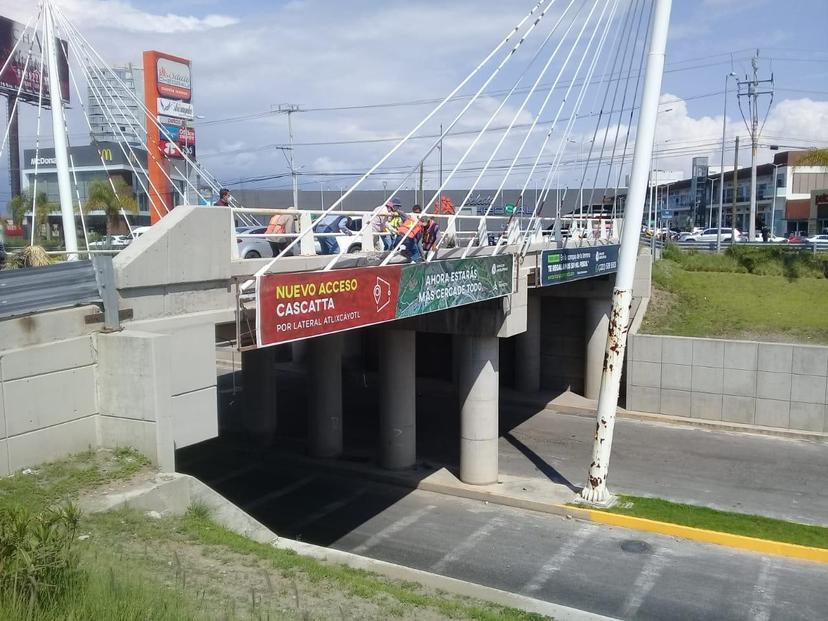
<point>173,107</point>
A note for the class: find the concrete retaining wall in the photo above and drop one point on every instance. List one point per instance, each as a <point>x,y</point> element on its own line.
<point>767,384</point>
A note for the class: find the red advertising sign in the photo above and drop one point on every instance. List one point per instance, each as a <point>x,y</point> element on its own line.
<point>298,305</point>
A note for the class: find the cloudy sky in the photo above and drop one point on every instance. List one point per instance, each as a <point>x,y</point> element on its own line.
<point>387,63</point>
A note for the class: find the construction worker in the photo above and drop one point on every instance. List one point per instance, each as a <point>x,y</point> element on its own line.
<point>410,232</point>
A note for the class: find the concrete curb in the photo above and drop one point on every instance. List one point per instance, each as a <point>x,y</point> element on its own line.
<point>174,493</point>
<point>761,546</point>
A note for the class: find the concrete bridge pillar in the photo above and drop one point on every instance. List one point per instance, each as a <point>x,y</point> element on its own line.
<point>478,385</point>
<point>259,395</point>
<point>596,327</point>
<point>325,396</point>
<point>299,352</point>
<point>398,399</point>
<point>528,349</point>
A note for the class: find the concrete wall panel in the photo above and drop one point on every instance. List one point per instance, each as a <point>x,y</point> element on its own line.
<point>773,386</point>
<point>647,374</point>
<point>705,405</point>
<point>118,432</point>
<point>676,376</point>
<point>676,350</point>
<point>193,358</point>
<point>648,348</point>
<point>44,400</point>
<point>194,417</point>
<point>676,402</point>
<point>59,325</point>
<point>51,443</point>
<point>810,360</point>
<point>47,358</point>
<point>807,416</point>
<point>740,355</point>
<point>775,358</point>
<point>770,413</point>
<point>708,353</point>
<point>808,388</point>
<point>739,383</point>
<point>643,399</point>
<point>738,409</point>
<point>4,459</point>
<point>707,379</point>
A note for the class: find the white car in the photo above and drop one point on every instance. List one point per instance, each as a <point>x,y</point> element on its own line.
<point>820,241</point>
<point>111,242</point>
<point>346,243</point>
<point>710,235</point>
<point>253,247</point>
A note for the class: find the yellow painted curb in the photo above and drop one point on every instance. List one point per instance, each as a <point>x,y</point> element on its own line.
<point>752,544</point>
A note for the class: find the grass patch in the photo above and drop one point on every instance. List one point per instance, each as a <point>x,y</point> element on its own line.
<point>353,581</point>
<point>61,481</point>
<point>755,526</point>
<point>738,304</point>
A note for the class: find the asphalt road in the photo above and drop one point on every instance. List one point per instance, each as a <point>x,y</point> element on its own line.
<point>611,571</point>
<point>747,473</point>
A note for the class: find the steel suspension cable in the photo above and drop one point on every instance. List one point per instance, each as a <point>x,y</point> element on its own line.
<point>382,160</point>
<point>585,53</point>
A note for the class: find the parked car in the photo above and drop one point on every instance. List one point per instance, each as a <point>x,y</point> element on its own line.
<point>820,241</point>
<point>797,238</point>
<point>710,235</point>
<point>346,243</point>
<point>111,242</point>
<point>253,247</point>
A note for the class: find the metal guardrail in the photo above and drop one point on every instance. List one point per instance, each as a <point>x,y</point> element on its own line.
<point>35,289</point>
<point>711,246</point>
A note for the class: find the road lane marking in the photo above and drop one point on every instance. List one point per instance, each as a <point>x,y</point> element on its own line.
<point>556,561</point>
<point>392,529</point>
<point>326,510</point>
<point>282,491</point>
<point>467,544</point>
<point>645,582</point>
<point>763,592</point>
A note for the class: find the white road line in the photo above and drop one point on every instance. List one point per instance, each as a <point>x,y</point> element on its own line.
<point>467,544</point>
<point>229,475</point>
<point>645,582</point>
<point>392,529</point>
<point>327,509</point>
<point>556,561</point>
<point>763,592</point>
<point>279,492</point>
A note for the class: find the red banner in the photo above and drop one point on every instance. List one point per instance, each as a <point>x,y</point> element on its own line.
<point>298,305</point>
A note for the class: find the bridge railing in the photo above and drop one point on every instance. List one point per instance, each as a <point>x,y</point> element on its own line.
<point>471,228</point>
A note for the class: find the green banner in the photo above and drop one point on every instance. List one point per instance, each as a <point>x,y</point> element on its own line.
<point>435,286</point>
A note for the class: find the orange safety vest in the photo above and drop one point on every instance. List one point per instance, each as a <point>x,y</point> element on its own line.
<point>411,227</point>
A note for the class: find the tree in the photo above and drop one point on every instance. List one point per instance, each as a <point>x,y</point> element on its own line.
<point>20,204</point>
<point>102,198</point>
<point>814,157</point>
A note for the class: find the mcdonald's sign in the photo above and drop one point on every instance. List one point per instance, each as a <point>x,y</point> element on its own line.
<point>106,154</point>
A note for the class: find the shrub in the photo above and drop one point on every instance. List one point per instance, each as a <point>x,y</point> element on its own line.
<point>37,560</point>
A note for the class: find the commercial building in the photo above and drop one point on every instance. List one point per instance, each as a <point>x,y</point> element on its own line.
<point>113,105</point>
<point>789,198</point>
<point>107,159</point>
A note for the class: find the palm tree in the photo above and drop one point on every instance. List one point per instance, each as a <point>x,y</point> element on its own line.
<point>102,198</point>
<point>20,204</point>
<point>814,157</point>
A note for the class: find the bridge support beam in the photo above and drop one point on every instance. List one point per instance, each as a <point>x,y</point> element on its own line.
<point>259,396</point>
<point>528,349</point>
<point>398,399</point>
<point>596,320</point>
<point>478,384</point>
<point>325,396</point>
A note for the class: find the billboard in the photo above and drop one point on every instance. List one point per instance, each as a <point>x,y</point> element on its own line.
<point>168,92</point>
<point>293,306</point>
<point>11,78</point>
<point>570,264</point>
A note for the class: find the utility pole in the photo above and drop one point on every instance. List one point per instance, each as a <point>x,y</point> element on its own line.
<point>289,109</point>
<point>722,171</point>
<point>749,89</point>
<point>735,191</point>
<point>422,192</point>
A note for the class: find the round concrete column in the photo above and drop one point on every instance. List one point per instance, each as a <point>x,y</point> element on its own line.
<point>595,331</point>
<point>259,395</point>
<point>325,396</point>
<point>299,352</point>
<point>398,399</point>
<point>478,384</point>
<point>528,349</point>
